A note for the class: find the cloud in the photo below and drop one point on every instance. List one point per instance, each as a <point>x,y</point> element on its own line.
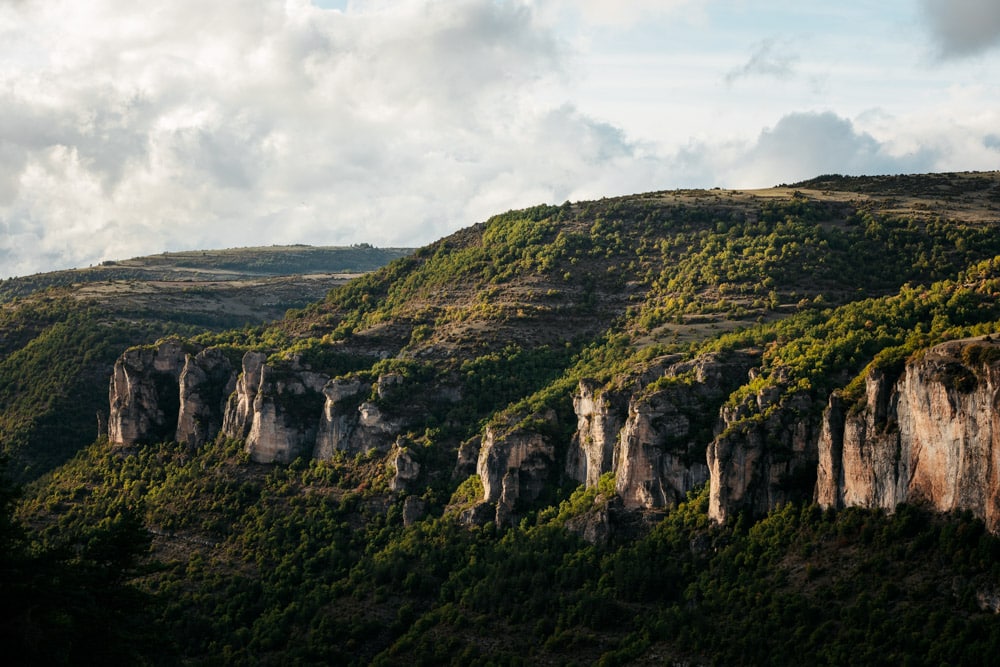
<point>125,131</point>
<point>963,27</point>
<point>769,58</point>
<point>604,14</point>
<point>803,145</point>
<point>128,129</point>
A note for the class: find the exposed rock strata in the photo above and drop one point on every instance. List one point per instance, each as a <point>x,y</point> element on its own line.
<point>339,416</point>
<point>600,416</point>
<point>406,468</point>
<point>204,385</point>
<point>765,455</point>
<point>143,394</point>
<point>653,435</point>
<point>515,467</point>
<point>280,411</point>
<point>240,407</point>
<point>931,436</point>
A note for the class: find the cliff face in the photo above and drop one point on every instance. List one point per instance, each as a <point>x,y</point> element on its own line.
<point>600,416</point>
<point>286,405</point>
<point>514,467</point>
<point>765,455</point>
<point>653,439</point>
<point>143,394</point>
<point>281,413</point>
<point>930,436</point>
<point>352,425</point>
<point>240,406</point>
<point>930,433</point>
<point>205,382</point>
<point>663,443</point>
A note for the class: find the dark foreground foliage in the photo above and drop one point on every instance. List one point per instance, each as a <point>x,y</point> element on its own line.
<point>309,565</point>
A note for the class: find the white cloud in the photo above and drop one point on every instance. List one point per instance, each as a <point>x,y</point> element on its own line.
<point>604,14</point>
<point>128,129</point>
<point>769,58</point>
<point>963,27</point>
<point>803,145</point>
<point>216,125</point>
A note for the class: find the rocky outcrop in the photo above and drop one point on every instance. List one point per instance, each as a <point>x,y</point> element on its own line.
<point>353,425</point>
<point>175,391</point>
<point>143,394</point>
<point>405,466</point>
<point>765,455</point>
<point>664,440</point>
<point>652,432</point>
<point>931,436</point>
<point>240,407</point>
<point>204,385</point>
<point>287,412</point>
<point>515,466</point>
<point>659,462</point>
<point>600,415</point>
<point>339,417</point>
<point>869,477</point>
<point>285,409</point>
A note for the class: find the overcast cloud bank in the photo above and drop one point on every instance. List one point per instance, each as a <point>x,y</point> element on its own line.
<point>130,129</point>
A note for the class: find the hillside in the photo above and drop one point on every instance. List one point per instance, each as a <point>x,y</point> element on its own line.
<point>213,266</point>
<point>61,332</point>
<point>592,433</point>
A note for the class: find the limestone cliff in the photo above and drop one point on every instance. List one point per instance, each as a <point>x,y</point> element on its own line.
<point>143,394</point>
<point>240,407</point>
<point>352,424</point>
<point>663,442</point>
<point>404,466</point>
<point>287,412</point>
<point>286,406</point>
<point>205,383</point>
<point>515,465</point>
<point>931,436</point>
<point>765,454</point>
<point>600,416</point>
<point>339,416</point>
<point>281,411</point>
<point>652,430</point>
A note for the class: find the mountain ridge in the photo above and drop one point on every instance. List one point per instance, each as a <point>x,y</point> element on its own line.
<point>518,421</point>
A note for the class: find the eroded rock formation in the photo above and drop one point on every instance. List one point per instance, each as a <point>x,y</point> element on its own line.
<point>652,431</point>
<point>354,425</point>
<point>600,415</point>
<point>281,411</point>
<point>339,416</point>
<point>765,455</point>
<point>143,394</point>
<point>515,466</point>
<point>931,436</point>
<point>204,385</point>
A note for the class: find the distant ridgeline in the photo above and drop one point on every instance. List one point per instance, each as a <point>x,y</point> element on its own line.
<point>673,339</point>
<point>201,265</point>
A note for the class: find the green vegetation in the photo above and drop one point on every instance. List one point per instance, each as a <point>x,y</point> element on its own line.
<point>202,265</point>
<point>304,564</point>
<point>318,562</point>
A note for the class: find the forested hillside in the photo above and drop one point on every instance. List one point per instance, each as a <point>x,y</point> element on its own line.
<point>579,434</point>
<point>61,332</point>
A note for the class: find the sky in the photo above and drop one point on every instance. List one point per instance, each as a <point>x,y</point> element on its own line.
<point>131,128</point>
